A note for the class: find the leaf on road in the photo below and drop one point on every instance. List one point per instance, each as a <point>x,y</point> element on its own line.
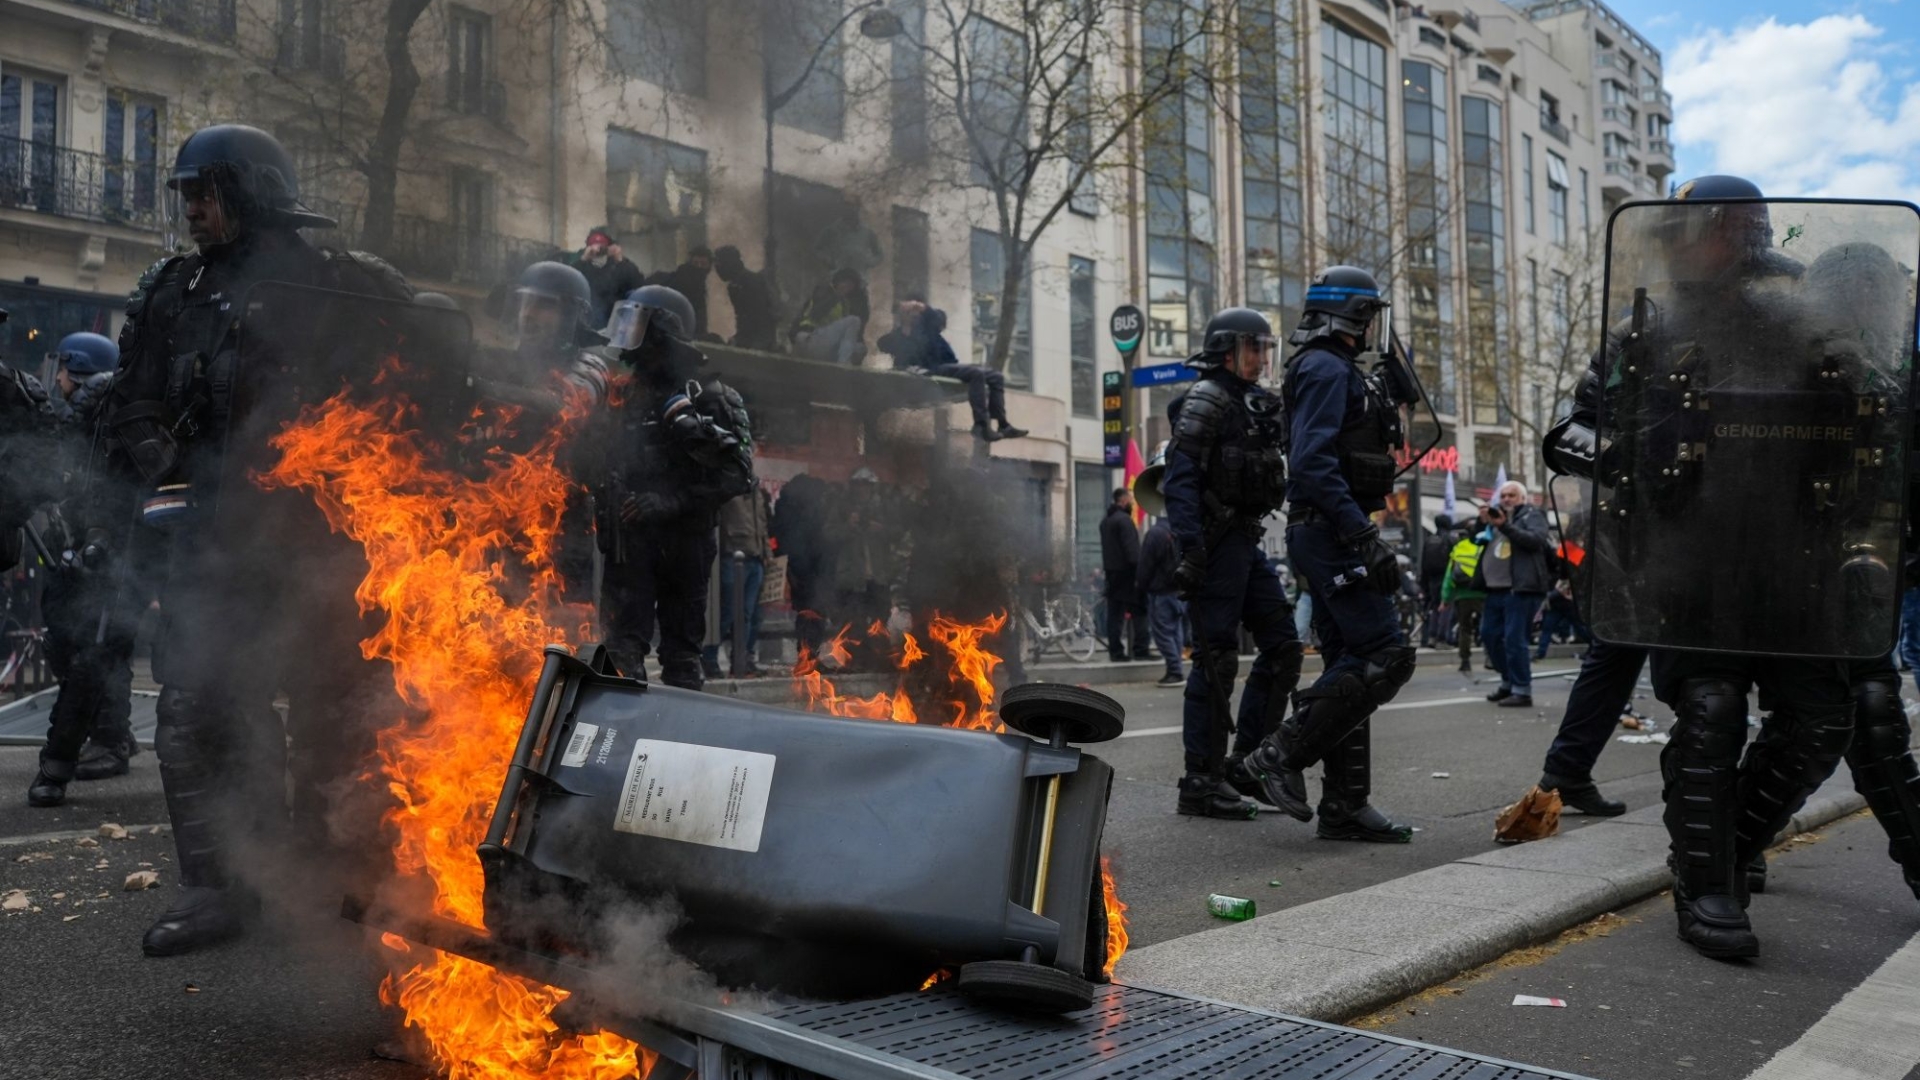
<point>86,841</point>
<point>113,831</point>
<point>68,918</point>
<point>14,900</point>
<point>142,879</point>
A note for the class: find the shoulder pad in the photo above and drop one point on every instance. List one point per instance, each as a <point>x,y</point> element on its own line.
<point>137,299</point>
<point>377,273</point>
<point>1203,410</point>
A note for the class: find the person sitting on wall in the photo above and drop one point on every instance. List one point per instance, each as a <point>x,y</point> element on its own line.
<point>916,344</point>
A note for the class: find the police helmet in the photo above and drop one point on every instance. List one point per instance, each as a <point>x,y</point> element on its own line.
<point>1748,225</point>
<point>87,354</point>
<point>1226,331</point>
<point>550,305</point>
<point>645,306</point>
<point>1342,299</point>
<point>249,172</point>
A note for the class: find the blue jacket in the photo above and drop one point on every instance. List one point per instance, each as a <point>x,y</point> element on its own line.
<point>1324,391</point>
<point>923,346</point>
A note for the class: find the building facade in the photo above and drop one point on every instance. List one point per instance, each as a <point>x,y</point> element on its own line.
<point>1466,151</point>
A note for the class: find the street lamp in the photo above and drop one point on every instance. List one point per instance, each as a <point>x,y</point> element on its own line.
<point>876,23</point>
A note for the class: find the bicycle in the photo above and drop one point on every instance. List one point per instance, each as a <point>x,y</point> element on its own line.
<point>1068,627</point>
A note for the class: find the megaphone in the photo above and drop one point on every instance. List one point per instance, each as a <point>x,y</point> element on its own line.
<point>1146,485</point>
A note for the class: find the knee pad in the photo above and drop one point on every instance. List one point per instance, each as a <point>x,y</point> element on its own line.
<point>1223,667</point>
<point>1880,727</point>
<point>1387,671</point>
<point>1283,661</point>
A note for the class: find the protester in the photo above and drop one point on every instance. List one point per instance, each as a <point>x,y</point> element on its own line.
<point>1462,593</point>
<point>1562,614</point>
<point>916,344</point>
<point>745,528</point>
<point>609,275</point>
<point>1166,612</point>
<point>1120,560</point>
<point>799,530</point>
<point>689,279</point>
<point>1433,570</point>
<point>755,309</point>
<point>834,321</point>
<point>1515,570</point>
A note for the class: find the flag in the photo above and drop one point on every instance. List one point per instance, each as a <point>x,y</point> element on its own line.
<point>1135,466</point>
<point>1447,506</point>
<point>1499,481</point>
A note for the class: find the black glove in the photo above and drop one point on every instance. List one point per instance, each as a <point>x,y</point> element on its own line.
<point>1190,573</point>
<point>650,506</point>
<point>1383,569</point>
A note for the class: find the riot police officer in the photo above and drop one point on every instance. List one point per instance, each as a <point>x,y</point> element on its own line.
<point>92,611</point>
<point>1224,474</point>
<point>675,446</point>
<point>1342,428</point>
<point>258,596</point>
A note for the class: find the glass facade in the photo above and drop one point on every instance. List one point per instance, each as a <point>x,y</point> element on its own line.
<point>661,41</point>
<point>1357,177</point>
<point>656,197</point>
<point>1429,273</point>
<point>1181,232</point>
<point>791,30</point>
<point>1084,334</point>
<point>1483,169</point>
<point>989,274</point>
<point>1270,141</point>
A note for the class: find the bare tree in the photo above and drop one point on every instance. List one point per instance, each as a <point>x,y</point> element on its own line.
<point>1560,327</point>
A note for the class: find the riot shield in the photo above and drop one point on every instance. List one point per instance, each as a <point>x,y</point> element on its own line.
<point>1754,426</point>
<point>299,346</point>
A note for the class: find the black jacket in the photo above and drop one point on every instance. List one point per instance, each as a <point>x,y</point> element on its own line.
<point>754,316</point>
<point>1531,543</point>
<point>1119,543</point>
<point>1159,556</point>
<point>691,282</point>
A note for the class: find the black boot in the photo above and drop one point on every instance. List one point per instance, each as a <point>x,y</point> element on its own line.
<point>1757,874</point>
<point>49,787</point>
<point>1582,795</point>
<point>1700,766</point>
<point>1716,926</point>
<point>985,433</point>
<point>101,760</point>
<point>1344,813</point>
<point>1339,821</point>
<point>1008,431</point>
<point>1245,780</point>
<point>1209,795</point>
<point>198,917</point>
<point>1282,787</point>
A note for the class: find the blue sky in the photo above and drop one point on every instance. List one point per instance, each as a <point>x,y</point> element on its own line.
<point>1806,97</point>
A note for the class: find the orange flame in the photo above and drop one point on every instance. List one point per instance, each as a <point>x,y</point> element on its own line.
<point>444,552</point>
<point>1116,916</point>
<point>972,667</point>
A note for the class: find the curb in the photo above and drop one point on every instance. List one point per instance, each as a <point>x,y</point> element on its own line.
<point>1348,955</point>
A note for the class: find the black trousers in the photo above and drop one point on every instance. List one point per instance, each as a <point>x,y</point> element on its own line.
<point>1599,696</point>
<point>986,390</point>
<point>656,579</point>
<point>95,669</point>
<point>1124,603</point>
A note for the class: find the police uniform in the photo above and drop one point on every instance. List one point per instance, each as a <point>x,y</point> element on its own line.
<point>1224,474</point>
<point>674,448</point>
<point>259,591</point>
<point>1342,429</point>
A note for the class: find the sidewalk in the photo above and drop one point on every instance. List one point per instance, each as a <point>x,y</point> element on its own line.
<point>1347,955</point>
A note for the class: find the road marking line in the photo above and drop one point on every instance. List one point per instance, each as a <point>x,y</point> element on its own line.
<point>1872,1034</point>
<point>75,834</point>
<point>1392,706</point>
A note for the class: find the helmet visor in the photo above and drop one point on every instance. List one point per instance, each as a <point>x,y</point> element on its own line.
<point>540,318</point>
<point>200,208</point>
<point>627,326</point>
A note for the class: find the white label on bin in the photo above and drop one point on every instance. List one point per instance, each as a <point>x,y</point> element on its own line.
<point>699,794</point>
<point>579,746</point>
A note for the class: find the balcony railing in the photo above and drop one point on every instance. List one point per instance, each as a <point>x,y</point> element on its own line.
<point>1621,167</point>
<point>433,250</point>
<point>1653,95</point>
<point>1662,147</point>
<point>1471,21</point>
<point>1607,58</point>
<point>53,180</point>
<point>205,20</point>
<point>1551,124</point>
<point>1647,185</point>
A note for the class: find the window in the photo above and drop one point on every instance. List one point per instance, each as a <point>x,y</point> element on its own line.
<point>989,275</point>
<point>1586,205</point>
<point>1615,145</point>
<point>912,257</point>
<point>661,41</point>
<point>304,42</point>
<point>30,141</point>
<point>468,54</point>
<point>1430,36</point>
<point>1483,170</point>
<point>1181,231</point>
<point>1526,177</point>
<point>1083,332</point>
<point>1270,170</point>
<point>817,229</point>
<point>907,82</point>
<point>1092,486</point>
<point>130,142</point>
<point>1358,193</point>
<point>1079,140</point>
<point>790,32</point>
<point>1490,454</point>
<point>1487,73</point>
<point>1557,186</point>
<point>470,202</point>
<point>656,197</point>
<point>996,99</point>
<point>1429,275</point>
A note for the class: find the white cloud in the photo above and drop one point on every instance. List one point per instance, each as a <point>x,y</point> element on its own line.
<point>1799,108</point>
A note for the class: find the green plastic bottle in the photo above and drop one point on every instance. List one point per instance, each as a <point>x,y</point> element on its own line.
<point>1229,907</point>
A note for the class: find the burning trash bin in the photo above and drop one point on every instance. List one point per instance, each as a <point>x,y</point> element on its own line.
<point>805,854</point>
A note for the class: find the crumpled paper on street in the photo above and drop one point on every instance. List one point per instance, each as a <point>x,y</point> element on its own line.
<point>1535,817</point>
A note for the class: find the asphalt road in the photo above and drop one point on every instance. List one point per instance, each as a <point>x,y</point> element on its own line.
<point>1166,865</point>
<point>1642,1005</point>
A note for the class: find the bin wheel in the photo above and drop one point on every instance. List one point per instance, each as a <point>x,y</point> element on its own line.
<point>1088,715</point>
<point>1020,985</point>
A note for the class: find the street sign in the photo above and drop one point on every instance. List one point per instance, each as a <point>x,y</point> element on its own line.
<point>1113,418</point>
<point>1127,326</point>
<point>1162,374</point>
